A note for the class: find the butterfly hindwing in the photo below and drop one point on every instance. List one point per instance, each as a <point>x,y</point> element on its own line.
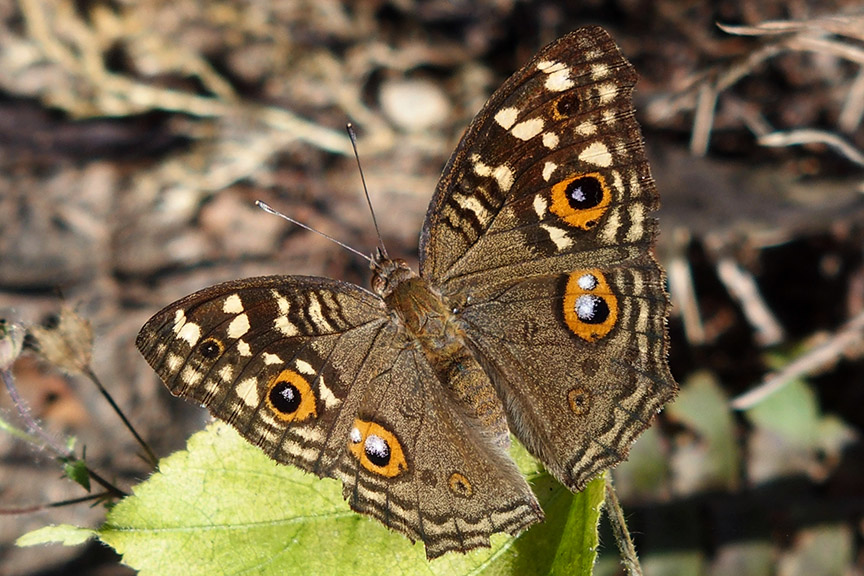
<point>578,391</point>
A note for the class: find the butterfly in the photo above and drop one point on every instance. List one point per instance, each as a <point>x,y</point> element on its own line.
<point>538,310</point>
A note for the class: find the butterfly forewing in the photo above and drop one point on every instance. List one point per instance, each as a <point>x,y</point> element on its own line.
<point>563,120</point>
<point>257,351</point>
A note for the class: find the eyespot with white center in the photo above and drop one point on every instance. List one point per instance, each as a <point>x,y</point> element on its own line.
<point>211,348</point>
<point>581,200</point>
<point>377,449</point>
<point>591,309</point>
<point>290,397</point>
<point>590,306</point>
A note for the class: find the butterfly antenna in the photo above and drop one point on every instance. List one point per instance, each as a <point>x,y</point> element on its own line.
<point>353,136</point>
<point>270,210</point>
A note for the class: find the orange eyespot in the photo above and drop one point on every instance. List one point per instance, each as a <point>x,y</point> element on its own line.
<point>579,400</point>
<point>590,306</point>
<point>581,200</point>
<point>377,449</point>
<point>290,397</point>
<point>460,485</point>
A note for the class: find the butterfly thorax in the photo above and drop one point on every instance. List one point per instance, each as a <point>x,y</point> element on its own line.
<point>431,326</point>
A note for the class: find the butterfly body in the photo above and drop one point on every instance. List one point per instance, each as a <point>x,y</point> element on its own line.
<point>432,326</point>
<point>538,311</point>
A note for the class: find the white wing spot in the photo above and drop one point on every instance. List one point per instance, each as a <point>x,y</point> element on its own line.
<point>326,394</point>
<point>299,451</point>
<point>642,317</point>
<point>540,206</point>
<point>179,320</point>
<point>355,435</point>
<point>607,92</point>
<point>480,168</point>
<point>174,361</point>
<point>265,433</point>
<point>304,367</point>
<point>506,117</point>
<point>504,176</point>
<point>613,222</point>
<point>271,358</point>
<point>550,140</point>
<point>596,153</point>
<point>247,391</point>
<point>527,129</point>
<point>190,376</point>
<point>609,117</point>
<point>243,348</point>
<point>637,218</point>
<point>558,236</point>
<point>233,305</point>
<point>638,283</point>
<point>474,205</point>
<point>226,373</point>
<point>211,385</point>
<point>618,182</point>
<point>635,186</point>
<point>308,434</point>
<point>190,332</point>
<point>599,71</point>
<point>586,128</point>
<point>283,325</point>
<point>317,315</point>
<point>282,302</point>
<point>546,65</point>
<point>239,326</point>
<point>548,169</point>
<point>585,307</point>
<point>559,80</point>
<point>376,445</point>
<point>587,282</point>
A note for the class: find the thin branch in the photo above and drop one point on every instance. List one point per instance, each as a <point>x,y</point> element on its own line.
<point>619,529</point>
<point>150,456</point>
<point>808,136</point>
<point>38,508</point>
<point>850,336</point>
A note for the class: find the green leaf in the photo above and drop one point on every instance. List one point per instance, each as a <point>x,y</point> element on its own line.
<point>76,470</point>
<point>792,413</point>
<point>223,507</point>
<point>712,460</point>
<point>61,534</point>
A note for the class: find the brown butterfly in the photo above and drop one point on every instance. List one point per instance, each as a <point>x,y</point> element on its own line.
<point>538,310</point>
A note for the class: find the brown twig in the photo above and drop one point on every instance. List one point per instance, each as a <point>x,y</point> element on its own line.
<point>849,336</point>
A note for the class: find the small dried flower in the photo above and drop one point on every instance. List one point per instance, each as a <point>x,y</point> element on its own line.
<point>11,341</point>
<point>69,345</point>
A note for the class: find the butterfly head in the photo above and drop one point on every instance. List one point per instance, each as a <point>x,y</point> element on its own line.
<point>388,273</point>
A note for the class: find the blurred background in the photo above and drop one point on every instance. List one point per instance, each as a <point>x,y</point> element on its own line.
<point>136,136</point>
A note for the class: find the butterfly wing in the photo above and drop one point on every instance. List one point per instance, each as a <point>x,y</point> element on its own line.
<point>316,373</point>
<point>540,235</point>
